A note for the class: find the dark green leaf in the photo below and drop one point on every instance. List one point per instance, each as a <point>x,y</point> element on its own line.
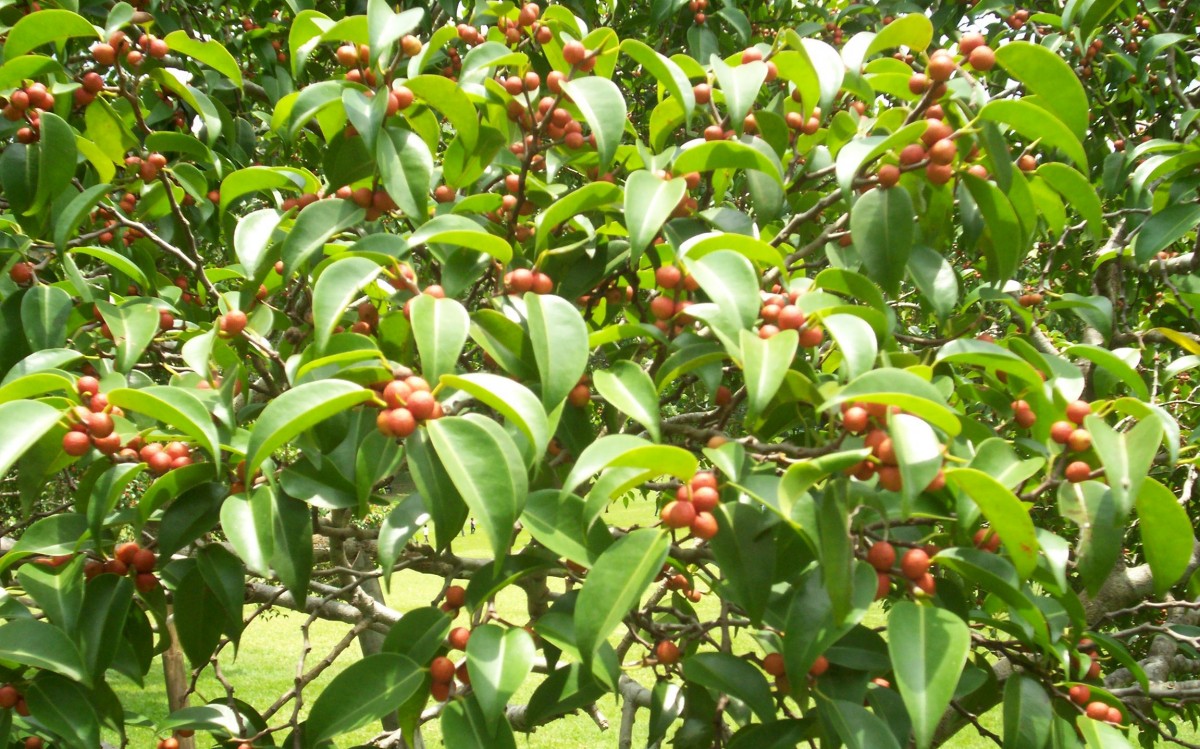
<point>928,647</point>
<point>615,585</point>
<point>364,692</point>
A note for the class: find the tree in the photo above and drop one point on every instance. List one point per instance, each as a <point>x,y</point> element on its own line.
<point>869,309</point>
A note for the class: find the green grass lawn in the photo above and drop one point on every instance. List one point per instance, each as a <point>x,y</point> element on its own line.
<point>266,662</point>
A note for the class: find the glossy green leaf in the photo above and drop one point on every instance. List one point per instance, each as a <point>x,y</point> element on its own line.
<point>57,591</point>
<point>465,727</point>
<point>1167,538</point>
<point>1002,245</point>
<point>882,224</point>
<point>591,196</point>
<point>764,364</point>
<point>1027,714</point>
<point>731,284</point>
<point>364,692</point>
<point>1007,515</point>
<point>419,634</point>
<point>628,387</point>
<point>252,238</point>
<point>996,575</point>
<point>313,228</point>
<point>117,261</point>
<point>729,675</point>
<point>912,30</point>
<point>603,106</point>
<point>106,603</point>
<point>210,52</point>
<point>928,647</point>
<point>1126,456</point>
<point>664,70</point>
<point>58,155</point>
<point>649,202</point>
<point>22,424</point>
<point>176,407</point>
<point>726,154</point>
<point>41,645</point>
<point>1030,121</point>
<point>53,25</point>
<point>79,207</point>
<point>498,661</point>
<point>1077,190</point>
<point>1049,76</point>
<point>340,283</point>
<point>487,470</point>
<point>65,708</point>
<point>858,727</point>
<point>855,338</point>
<point>462,232</point>
<point>44,314</point>
<point>133,328</point>
<point>440,327</point>
<point>615,585</point>
<point>918,452</point>
<point>898,387</point>
<point>511,398</point>
<point>741,85</point>
<point>445,96</point>
<point>1165,228</point>
<point>560,344</point>
<point>294,411</point>
<point>406,165</point>
<point>559,522</point>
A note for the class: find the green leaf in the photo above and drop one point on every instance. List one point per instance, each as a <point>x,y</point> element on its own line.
<point>498,660</point>
<point>731,284</point>
<point>176,407</point>
<point>252,238</point>
<point>445,96</point>
<point>726,154</point>
<point>912,30</point>
<point>615,585</point>
<point>58,591</point>
<point>118,262</point>
<point>1049,76</point>
<point>486,468</point>
<point>628,387</point>
<point>41,645</point>
<point>649,202</point>
<point>56,166</point>
<point>765,363</point>
<point>43,27</point>
<point>296,410</point>
<point>57,534</point>
<point>211,53</point>
<point>623,450</point>
<point>560,344</point>
<point>340,283</point>
<point>106,603</point>
<point>514,400</point>
<point>858,727</point>
<point>464,726</point>
<point>79,207</point>
<point>665,71</point>
<point>1126,456</point>
<point>292,552</point>
<point>994,574</point>
<point>133,328</point>
<point>741,85</point>
<point>313,228</point>
<point>744,549</point>
<point>559,522</point>
<point>1165,228</point>
<point>440,327</point>
<point>1008,516</point>
<point>460,231</point>
<point>855,338</point>
<point>918,453</point>
<point>812,625</point>
<point>882,224</point>
<point>397,528</point>
<point>1027,714</point>
<point>1113,365</point>
<point>419,634</point>
<point>1002,246</point>
<point>44,314</point>
<point>22,424</point>
<point>198,623</point>
<point>928,647</point>
<point>65,708</point>
<point>1167,538</point>
<point>603,106</point>
<point>364,692</point>
<point>727,674</point>
<point>406,167</point>
<point>1076,188</point>
<point>899,387</point>
<point>1030,121</point>
<point>591,196</point>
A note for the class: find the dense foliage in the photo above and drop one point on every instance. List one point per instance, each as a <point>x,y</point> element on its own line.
<point>879,313</point>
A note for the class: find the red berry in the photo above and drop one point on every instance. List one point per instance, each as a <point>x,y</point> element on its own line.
<point>76,444</point>
<point>881,556</point>
<point>1080,440</point>
<point>704,526</point>
<point>1060,431</point>
<point>677,514</point>
<point>666,652</point>
<point>456,596</point>
<point>442,669</point>
<point>1077,410</point>
<point>773,664</point>
<point>1077,471</point>
<point>144,560</point>
<point>1097,710</point>
<point>1080,694</point>
<point>914,564</point>
<point>705,498</point>
<point>819,666</point>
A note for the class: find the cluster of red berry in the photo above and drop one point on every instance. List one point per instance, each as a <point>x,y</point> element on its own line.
<point>693,505</point>
<point>408,402</point>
